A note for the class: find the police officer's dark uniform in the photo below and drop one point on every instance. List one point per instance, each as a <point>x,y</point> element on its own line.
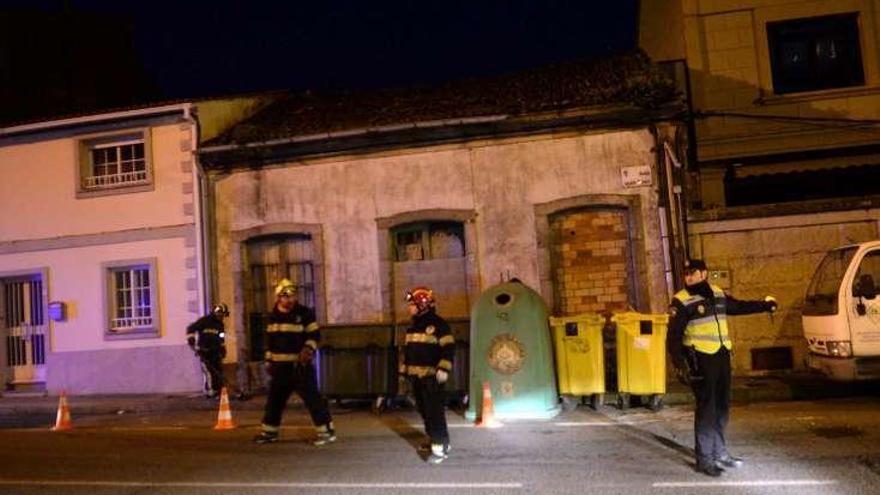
<point>292,338</point>
<point>699,344</point>
<point>428,356</point>
<point>206,336</point>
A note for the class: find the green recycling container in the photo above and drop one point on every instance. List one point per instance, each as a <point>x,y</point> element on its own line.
<point>510,349</point>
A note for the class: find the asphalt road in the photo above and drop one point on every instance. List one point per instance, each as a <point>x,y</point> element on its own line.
<point>804,447</point>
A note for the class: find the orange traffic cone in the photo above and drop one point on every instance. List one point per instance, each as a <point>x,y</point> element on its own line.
<point>62,419</point>
<point>487,415</point>
<point>224,416</point>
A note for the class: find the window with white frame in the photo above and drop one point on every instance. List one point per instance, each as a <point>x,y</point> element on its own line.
<point>131,297</point>
<point>115,161</point>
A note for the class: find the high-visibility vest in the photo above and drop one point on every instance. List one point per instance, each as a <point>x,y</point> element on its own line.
<point>706,329</point>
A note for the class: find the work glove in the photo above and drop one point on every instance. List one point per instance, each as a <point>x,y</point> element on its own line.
<point>442,376</point>
<point>306,355</point>
<point>771,304</point>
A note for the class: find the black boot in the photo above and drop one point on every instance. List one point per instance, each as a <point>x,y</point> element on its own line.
<point>709,470</point>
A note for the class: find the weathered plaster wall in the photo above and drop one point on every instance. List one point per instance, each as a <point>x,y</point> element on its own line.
<point>501,180</point>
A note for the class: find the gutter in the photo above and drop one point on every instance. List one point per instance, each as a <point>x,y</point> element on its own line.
<point>428,124</point>
<point>103,117</point>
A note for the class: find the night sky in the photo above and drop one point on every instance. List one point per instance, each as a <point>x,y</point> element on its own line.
<point>184,49</point>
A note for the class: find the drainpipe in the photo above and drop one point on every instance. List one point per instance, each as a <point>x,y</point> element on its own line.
<point>199,202</point>
<point>667,212</point>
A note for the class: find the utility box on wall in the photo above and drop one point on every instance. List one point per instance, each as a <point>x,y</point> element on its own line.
<point>57,311</point>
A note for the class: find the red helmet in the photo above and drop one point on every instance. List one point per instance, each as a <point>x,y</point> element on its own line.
<point>422,297</point>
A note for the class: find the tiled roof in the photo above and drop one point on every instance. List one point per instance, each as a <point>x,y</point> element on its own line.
<point>627,79</point>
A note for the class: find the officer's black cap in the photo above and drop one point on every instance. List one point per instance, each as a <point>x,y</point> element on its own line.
<point>695,264</point>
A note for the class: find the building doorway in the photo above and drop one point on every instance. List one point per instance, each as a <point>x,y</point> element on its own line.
<point>23,330</point>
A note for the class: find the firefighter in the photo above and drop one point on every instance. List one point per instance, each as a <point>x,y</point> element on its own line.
<point>206,337</point>
<point>428,355</point>
<point>292,338</point>
<point>699,344</point>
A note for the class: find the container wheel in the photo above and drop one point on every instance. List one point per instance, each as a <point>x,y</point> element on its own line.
<point>622,401</point>
<point>655,402</point>
<point>380,404</point>
<point>597,401</point>
<point>569,403</point>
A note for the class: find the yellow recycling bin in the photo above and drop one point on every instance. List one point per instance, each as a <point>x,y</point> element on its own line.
<point>641,357</point>
<point>580,366</point>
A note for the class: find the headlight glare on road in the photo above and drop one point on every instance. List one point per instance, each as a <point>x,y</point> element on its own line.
<point>841,348</point>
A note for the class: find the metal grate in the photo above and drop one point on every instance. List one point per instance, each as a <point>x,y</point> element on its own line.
<point>115,164</point>
<point>25,340</point>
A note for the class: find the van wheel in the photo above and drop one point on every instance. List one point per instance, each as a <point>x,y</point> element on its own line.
<point>597,401</point>
<point>622,401</point>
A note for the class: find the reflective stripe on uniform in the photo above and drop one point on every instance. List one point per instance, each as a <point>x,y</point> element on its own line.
<point>280,357</point>
<point>311,343</point>
<point>445,364</point>
<point>706,333</point>
<point>421,371</point>
<point>447,340</point>
<point>211,331</point>
<point>284,327</point>
<point>420,338</point>
<point>312,327</point>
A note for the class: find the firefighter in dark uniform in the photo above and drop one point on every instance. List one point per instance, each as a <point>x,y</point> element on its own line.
<point>292,338</point>
<point>699,344</point>
<point>206,336</point>
<point>428,355</point>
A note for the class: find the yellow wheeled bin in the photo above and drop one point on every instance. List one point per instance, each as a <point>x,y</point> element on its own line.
<point>641,357</point>
<point>580,363</point>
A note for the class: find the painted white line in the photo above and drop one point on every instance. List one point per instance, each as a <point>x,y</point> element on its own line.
<point>711,484</point>
<point>604,423</point>
<point>147,428</point>
<point>232,484</point>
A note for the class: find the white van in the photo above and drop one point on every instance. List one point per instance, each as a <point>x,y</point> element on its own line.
<point>841,314</point>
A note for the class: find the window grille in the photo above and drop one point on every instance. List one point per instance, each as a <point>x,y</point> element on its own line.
<point>132,299</point>
<point>117,164</point>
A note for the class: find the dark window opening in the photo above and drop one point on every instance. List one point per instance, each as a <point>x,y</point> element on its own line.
<point>838,182</point>
<point>815,53</point>
<point>428,241</point>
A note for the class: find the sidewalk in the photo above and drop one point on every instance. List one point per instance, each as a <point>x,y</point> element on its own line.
<point>745,390</point>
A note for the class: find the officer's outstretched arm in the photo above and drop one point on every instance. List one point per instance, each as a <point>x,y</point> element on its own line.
<point>737,307</point>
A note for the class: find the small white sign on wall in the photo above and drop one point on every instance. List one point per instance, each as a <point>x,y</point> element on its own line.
<point>639,175</point>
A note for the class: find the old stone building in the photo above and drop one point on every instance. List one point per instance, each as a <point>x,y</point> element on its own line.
<point>557,176</point>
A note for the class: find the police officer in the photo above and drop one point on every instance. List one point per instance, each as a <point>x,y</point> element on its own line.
<point>206,337</point>
<point>292,338</point>
<point>428,355</point>
<point>699,344</point>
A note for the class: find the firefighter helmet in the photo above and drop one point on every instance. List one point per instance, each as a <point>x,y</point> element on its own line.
<point>221,310</point>
<point>285,288</point>
<point>422,297</point>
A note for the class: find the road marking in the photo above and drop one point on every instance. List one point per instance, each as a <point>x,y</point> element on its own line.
<point>710,484</point>
<point>147,428</point>
<point>233,484</point>
<point>604,423</point>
